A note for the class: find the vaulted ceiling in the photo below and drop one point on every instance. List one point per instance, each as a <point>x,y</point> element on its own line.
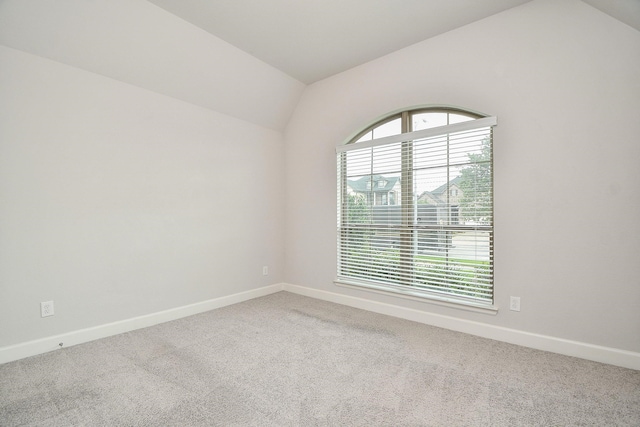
<point>313,39</point>
<point>250,59</point>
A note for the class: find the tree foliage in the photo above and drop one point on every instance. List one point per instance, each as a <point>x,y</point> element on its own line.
<point>475,183</point>
<point>358,210</point>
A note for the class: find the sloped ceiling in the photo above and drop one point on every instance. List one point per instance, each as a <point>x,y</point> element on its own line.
<point>138,43</point>
<point>313,39</point>
<point>627,11</point>
<point>250,59</point>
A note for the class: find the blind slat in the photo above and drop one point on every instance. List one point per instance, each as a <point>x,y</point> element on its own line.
<point>415,211</point>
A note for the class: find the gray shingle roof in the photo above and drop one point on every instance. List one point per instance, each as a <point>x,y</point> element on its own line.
<point>440,190</point>
<point>360,185</point>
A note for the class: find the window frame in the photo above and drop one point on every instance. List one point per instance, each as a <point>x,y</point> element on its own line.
<point>408,200</point>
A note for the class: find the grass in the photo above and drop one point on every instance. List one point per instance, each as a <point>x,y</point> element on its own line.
<point>456,276</point>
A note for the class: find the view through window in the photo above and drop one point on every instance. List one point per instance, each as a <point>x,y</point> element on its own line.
<point>415,206</point>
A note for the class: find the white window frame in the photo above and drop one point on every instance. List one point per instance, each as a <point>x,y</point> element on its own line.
<point>408,201</point>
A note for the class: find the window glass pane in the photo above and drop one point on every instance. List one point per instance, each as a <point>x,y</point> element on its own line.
<point>458,118</point>
<point>430,152</point>
<point>393,127</point>
<point>387,159</point>
<point>428,120</point>
<point>358,163</point>
<point>455,262</point>
<point>385,201</point>
<point>470,146</point>
<point>366,137</point>
<point>475,194</point>
<point>430,184</point>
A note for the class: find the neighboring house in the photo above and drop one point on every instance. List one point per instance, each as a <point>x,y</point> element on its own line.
<point>445,203</point>
<point>440,193</point>
<point>433,207</point>
<point>378,189</point>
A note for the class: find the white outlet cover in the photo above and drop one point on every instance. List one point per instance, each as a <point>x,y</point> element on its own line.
<point>46,308</point>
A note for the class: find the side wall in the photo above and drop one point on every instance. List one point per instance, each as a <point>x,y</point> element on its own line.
<point>562,78</point>
<point>137,42</point>
<point>118,202</point>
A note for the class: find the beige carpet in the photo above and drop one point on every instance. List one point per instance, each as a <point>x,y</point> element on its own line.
<point>287,360</point>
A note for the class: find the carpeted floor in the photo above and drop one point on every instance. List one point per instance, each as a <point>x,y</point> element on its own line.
<point>288,360</point>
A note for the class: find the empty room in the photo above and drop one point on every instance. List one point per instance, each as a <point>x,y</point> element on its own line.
<point>319,213</point>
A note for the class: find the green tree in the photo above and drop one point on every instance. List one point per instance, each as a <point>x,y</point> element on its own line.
<point>355,240</point>
<point>358,211</point>
<point>475,183</point>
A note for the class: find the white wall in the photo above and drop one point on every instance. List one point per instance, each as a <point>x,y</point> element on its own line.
<point>117,202</point>
<point>137,42</point>
<point>562,78</point>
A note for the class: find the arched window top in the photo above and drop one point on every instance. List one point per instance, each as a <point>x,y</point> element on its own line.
<point>415,206</point>
<point>414,120</point>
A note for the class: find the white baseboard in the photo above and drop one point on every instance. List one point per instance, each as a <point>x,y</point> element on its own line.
<point>44,345</point>
<point>612,356</point>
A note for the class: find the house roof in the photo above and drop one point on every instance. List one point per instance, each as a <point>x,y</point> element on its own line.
<point>440,190</point>
<point>360,185</point>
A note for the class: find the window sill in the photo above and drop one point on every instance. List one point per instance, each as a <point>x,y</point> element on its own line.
<point>446,301</point>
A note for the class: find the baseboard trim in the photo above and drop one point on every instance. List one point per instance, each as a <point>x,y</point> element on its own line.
<point>612,356</point>
<point>44,345</point>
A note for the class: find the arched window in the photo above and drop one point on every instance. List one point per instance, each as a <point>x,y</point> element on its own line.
<point>415,206</point>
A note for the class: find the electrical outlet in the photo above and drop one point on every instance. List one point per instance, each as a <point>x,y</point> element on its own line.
<point>265,270</point>
<point>46,308</point>
<point>514,304</point>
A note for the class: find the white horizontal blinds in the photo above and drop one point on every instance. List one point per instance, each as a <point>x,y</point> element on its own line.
<point>371,213</point>
<point>435,237</point>
<point>454,214</point>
